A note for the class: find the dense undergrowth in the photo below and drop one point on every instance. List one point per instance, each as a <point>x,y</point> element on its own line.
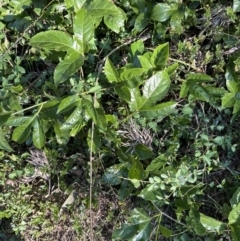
<point>119,120</point>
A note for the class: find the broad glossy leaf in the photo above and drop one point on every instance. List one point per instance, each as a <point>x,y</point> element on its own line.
<point>115,23</point>
<point>68,103</point>
<point>141,22</point>
<point>83,27</point>
<point>160,110</point>
<point>143,152</point>
<point>62,136</point>
<point>101,8</point>
<point>123,92</point>
<point>155,88</point>
<point>138,230</point>
<point>163,11</point>
<point>128,74</point>
<point>156,164</point>
<point>53,40</point>
<point>50,103</point>
<point>4,117</point>
<point>194,221</point>
<point>236,6</point>
<point>232,86</point>
<point>137,48</point>
<point>38,134</point>
<point>112,175</point>
<point>236,107</point>
<point>16,120</point>
<point>67,67</point>
<point>235,231</point>
<point>199,92</point>
<point>145,63</point>
<point>101,119</point>
<point>235,200</point>
<point>212,224</point>
<point>228,100</point>
<point>216,91</point>
<point>136,171</point>
<point>21,133</point>
<point>171,69</point>
<point>234,216</point>
<point>184,90</point>
<point>126,232</point>
<point>151,191</point>
<point>165,231</point>
<point>3,142</point>
<point>73,119</point>
<point>111,72</point>
<point>198,78</point>
<point>160,56</point>
<point>77,4</point>
<point>88,106</point>
<point>230,74</point>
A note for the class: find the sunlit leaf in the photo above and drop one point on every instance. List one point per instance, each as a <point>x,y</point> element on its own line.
<point>68,103</point>
<point>160,56</point>
<point>22,132</point>
<point>38,134</point>
<point>3,142</point>
<point>163,11</point>
<point>111,72</point>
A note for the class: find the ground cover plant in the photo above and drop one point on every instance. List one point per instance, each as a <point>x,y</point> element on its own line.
<point>119,120</point>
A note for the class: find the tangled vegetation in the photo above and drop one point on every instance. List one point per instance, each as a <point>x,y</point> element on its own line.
<point>119,120</point>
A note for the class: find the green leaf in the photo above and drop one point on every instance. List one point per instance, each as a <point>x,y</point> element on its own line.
<point>198,78</point>
<point>88,106</point>
<point>111,72</point>
<point>232,86</point>
<point>235,200</point>
<point>136,48</point>
<point>193,220</point>
<point>16,120</point>
<point>101,119</point>
<point>156,164</point>
<point>184,90</point>
<point>155,88</point>
<point>21,133</point>
<point>3,142</point>
<point>68,103</point>
<point>83,27</point>
<point>236,6</point>
<point>143,152</point>
<point>136,171</point>
<point>139,230</point>
<point>216,91</point>
<point>163,11</point>
<point>235,231</point>
<point>123,92</point>
<point>112,175</point>
<point>62,136</point>
<point>165,231</point>
<point>234,216</point>
<point>38,134</point>
<point>172,68</point>
<point>129,74</point>
<point>77,4</point>
<point>228,100</point>
<point>67,67</point>
<point>73,119</point>
<point>4,117</point>
<point>199,92</point>
<point>160,110</point>
<point>115,23</point>
<point>211,224</point>
<point>126,232</point>
<point>145,63</point>
<point>53,40</point>
<point>160,56</point>
<point>101,8</point>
